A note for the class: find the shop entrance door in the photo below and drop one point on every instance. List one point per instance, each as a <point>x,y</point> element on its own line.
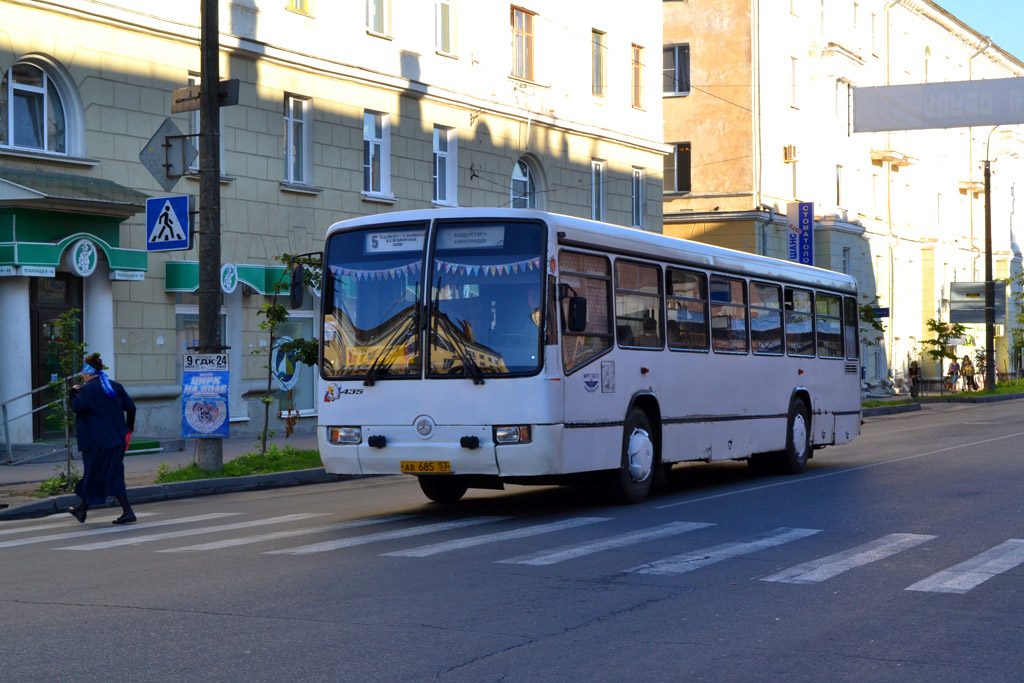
<point>50,298</point>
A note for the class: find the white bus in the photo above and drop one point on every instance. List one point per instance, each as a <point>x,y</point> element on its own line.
<point>478,347</point>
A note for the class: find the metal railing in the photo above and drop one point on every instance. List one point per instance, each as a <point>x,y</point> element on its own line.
<point>8,450</point>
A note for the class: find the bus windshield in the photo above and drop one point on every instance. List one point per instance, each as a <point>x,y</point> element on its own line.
<point>485,302</point>
<point>374,288</point>
<point>486,299</point>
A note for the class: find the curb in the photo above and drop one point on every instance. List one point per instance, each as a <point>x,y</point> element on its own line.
<point>183,489</point>
<point>890,410</point>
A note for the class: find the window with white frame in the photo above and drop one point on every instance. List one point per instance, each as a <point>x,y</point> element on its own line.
<point>637,75</point>
<point>677,168</point>
<point>794,71</point>
<point>676,70</point>
<point>599,63</point>
<point>522,43</point>
<point>524,186</point>
<point>297,111</point>
<point>376,153</point>
<point>874,34</point>
<point>446,166</point>
<point>597,197</point>
<point>295,383</point>
<point>377,16</point>
<point>444,40</point>
<point>638,197</point>
<point>847,261</point>
<point>304,6</point>
<point>839,185</point>
<point>32,112</point>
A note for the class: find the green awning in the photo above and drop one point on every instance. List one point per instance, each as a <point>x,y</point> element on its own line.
<point>183,276</point>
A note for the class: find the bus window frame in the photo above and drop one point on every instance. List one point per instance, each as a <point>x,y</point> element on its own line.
<point>609,336</point>
<point>781,310</point>
<point>854,348</point>
<point>746,313</point>
<point>842,330</point>
<point>707,309</point>
<point>785,322</point>
<point>660,296</point>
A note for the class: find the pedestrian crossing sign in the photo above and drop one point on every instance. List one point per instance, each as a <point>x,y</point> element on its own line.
<point>167,224</point>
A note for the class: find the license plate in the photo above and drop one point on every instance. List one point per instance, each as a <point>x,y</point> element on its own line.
<point>426,467</point>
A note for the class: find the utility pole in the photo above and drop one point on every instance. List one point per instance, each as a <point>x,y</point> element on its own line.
<point>210,451</point>
<point>990,290</point>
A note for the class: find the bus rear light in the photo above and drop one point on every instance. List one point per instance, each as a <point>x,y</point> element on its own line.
<point>344,435</point>
<point>512,434</point>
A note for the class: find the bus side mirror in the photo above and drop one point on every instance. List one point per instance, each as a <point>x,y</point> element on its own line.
<point>577,318</point>
<point>296,287</point>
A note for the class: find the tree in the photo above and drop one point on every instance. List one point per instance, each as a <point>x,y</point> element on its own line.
<point>301,350</point>
<point>869,317</point>
<point>68,351</point>
<point>941,345</point>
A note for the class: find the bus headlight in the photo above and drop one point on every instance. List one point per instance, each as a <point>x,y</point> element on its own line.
<point>512,434</point>
<point>344,435</point>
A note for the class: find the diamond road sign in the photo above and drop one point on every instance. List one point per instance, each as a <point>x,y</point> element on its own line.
<point>167,224</point>
<point>168,155</point>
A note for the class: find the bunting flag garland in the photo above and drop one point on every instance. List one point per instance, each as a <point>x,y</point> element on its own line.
<point>487,271</point>
<point>377,275</point>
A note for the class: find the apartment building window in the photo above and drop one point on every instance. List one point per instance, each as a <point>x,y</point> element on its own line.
<point>304,6</point>
<point>376,153</point>
<point>522,43</point>
<point>32,111</point>
<point>794,71</point>
<point>875,193</point>
<point>377,18</point>
<point>847,261</point>
<point>874,34</point>
<point>677,168</point>
<point>839,185</point>
<point>676,70</point>
<point>795,166</point>
<point>445,21</point>
<point>597,211</point>
<point>524,186</point>
<point>296,139</point>
<point>938,208</point>
<point>446,166</point>
<point>821,21</point>
<point>637,72</point>
<point>638,197</point>
<point>927,59</point>
<point>599,63</point>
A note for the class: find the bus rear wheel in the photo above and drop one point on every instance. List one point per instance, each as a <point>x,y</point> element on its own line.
<point>631,483</point>
<point>793,460</point>
<point>442,488</point>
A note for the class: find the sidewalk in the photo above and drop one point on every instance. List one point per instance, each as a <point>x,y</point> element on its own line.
<point>145,467</point>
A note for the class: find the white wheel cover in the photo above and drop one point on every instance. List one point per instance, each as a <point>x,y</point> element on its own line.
<point>640,454</point>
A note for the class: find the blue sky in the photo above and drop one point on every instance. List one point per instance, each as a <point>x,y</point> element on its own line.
<point>1001,19</point>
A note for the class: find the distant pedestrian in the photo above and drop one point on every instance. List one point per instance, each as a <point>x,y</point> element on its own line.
<point>914,375</point>
<point>104,419</point>
<point>967,368</point>
<point>953,376</point>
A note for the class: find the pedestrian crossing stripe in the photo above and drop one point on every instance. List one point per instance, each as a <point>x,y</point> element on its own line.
<point>167,227</point>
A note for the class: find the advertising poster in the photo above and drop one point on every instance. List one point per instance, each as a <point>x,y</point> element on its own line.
<point>204,396</point>
<point>800,236</point>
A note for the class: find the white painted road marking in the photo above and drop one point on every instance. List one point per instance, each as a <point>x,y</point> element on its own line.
<point>245,540</point>
<point>135,540</point>
<point>63,524</point>
<point>114,529</point>
<point>834,565</point>
<point>514,534</point>
<point>383,536</point>
<point>622,540</point>
<point>975,571</point>
<point>687,562</point>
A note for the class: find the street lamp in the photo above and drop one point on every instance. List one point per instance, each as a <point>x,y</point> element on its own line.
<point>990,292</point>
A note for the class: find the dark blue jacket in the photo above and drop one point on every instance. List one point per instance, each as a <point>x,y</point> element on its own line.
<point>99,421</point>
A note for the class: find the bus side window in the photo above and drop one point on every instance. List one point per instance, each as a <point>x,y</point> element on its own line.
<point>799,322</point>
<point>728,314</point>
<point>590,277</point>
<point>851,326</point>
<point>829,325</point>
<point>687,309</point>
<point>638,305</point>
<point>766,318</point>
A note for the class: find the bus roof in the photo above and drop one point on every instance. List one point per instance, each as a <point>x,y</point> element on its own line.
<point>590,234</point>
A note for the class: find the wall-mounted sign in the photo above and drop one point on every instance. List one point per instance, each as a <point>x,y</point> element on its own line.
<point>800,247</point>
<point>7,270</point>
<point>204,396</point>
<point>228,277</point>
<point>82,257</point>
<point>37,271</point>
<point>129,275</point>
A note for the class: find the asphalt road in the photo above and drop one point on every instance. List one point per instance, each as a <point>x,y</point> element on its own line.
<point>895,558</point>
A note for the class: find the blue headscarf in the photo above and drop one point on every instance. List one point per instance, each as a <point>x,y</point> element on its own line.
<point>108,389</point>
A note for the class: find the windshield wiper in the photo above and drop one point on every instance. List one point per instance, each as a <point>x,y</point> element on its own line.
<point>378,365</point>
<point>469,366</point>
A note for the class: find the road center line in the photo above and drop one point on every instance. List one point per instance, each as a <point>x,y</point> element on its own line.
<point>805,479</point>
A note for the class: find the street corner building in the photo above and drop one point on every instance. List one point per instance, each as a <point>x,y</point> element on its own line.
<point>343,110</point>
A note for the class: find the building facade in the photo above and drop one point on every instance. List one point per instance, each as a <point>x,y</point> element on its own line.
<point>758,113</point>
<point>345,109</point>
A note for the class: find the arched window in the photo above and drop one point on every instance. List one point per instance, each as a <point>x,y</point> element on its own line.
<point>524,187</point>
<point>39,108</point>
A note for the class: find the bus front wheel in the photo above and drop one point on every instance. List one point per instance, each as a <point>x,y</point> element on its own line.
<point>793,460</point>
<point>632,481</point>
<point>442,488</point>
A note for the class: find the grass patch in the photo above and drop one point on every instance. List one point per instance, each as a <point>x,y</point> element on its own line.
<point>276,460</point>
<point>1015,386</point>
<point>879,404</point>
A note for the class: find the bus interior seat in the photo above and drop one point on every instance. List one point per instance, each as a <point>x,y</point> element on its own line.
<point>625,335</point>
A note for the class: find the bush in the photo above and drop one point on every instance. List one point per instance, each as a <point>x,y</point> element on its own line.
<point>276,460</point>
